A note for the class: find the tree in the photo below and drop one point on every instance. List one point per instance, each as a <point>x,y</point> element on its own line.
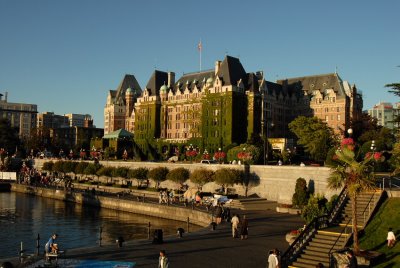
<point>69,166</point>
<point>201,176</point>
<point>80,168</point>
<point>315,207</point>
<point>92,169</point>
<point>106,171</point>
<point>59,167</point>
<point>48,166</point>
<point>139,174</point>
<point>357,176</point>
<point>395,88</point>
<point>178,175</point>
<point>226,177</point>
<point>314,135</point>
<point>301,194</point>
<point>158,174</point>
<point>9,139</point>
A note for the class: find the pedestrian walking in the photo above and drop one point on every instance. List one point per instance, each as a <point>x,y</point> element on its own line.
<point>163,261</point>
<point>244,229</point>
<point>273,261</point>
<point>235,224</point>
<point>391,238</point>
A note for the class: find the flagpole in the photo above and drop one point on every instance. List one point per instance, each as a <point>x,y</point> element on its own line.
<point>201,48</point>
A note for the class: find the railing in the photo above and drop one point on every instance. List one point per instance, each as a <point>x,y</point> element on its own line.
<point>344,231</point>
<point>304,237</point>
<point>338,206</point>
<point>311,229</point>
<point>390,182</point>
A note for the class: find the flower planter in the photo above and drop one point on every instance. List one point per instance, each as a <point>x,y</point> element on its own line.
<point>290,238</point>
<point>294,211</point>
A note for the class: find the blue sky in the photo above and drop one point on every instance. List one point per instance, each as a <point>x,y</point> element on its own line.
<point>64,56</point>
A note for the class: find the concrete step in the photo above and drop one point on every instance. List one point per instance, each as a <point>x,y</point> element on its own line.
<point>253,204</point>
<point>309,263</point>
<point>325,246</point>
<point>317,248</point>
<point>327,237</point>
<point>316,253</point>
<point>315,258</point>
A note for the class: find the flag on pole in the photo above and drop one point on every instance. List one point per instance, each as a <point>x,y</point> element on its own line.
<point>200,46</point>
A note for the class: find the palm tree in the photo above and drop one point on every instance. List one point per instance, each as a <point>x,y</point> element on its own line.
<point>357,176</point>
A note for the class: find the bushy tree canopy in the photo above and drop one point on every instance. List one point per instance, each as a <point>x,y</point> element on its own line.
<point>201,176</point>
<point>178,175</point>
<point>314,135</point>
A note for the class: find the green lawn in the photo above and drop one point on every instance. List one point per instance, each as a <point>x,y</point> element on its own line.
<point>376,233</point>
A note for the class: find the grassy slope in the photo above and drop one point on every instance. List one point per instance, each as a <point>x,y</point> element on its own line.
<point>376,233</point>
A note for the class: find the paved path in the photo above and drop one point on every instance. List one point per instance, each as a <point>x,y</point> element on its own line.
<point>207,248</point>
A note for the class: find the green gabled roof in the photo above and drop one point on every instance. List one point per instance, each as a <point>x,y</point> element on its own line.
<point>120,133</point>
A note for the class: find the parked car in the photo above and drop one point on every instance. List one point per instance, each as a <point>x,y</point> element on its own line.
<point>205,161</point>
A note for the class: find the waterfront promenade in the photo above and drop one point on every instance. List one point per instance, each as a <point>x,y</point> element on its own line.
<point>205,248</point>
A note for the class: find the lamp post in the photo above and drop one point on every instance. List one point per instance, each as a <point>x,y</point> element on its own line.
<point>373,147</point>
<point>350,132</point>
<point>289,155</point>
<point>266,147</point>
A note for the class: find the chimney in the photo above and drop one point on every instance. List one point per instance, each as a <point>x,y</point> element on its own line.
<point>5,96</point>
<point>217,66</point>
<point>171,79</point>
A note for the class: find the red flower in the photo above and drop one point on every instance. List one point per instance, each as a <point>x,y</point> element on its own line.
<point>219,155</point>
<point>377,156</point>
<point>295,232</point>
<point>244,155</point>
<point>206,156</point>
<point>191,153</point>
<point>348,143</point>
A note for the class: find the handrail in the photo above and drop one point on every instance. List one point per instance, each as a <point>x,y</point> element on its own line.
<point>330,253</point>
<point>338,205</point>
<point>303,238</point>
<point>309,231</point>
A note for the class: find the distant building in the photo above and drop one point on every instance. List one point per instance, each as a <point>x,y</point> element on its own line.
<point>80,120</point>
<point>20,115</point>
<point>117,110</point>
<point>51,120</point>
<point>71,137</point>
<point>385,114</point>
<point>329,97</point>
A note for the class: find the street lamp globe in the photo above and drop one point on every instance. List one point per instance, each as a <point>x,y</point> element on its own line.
<point>350,131</point>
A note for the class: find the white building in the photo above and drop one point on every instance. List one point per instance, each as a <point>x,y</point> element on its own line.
<point>385,113</point>
<point>20,115</point>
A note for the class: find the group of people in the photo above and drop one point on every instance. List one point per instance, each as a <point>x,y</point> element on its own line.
<point>221,213</point>
<point>165,197</point>
<point>242,224</point>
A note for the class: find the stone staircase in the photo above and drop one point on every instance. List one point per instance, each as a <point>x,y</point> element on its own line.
<point>333,238</point>
<point>253,204</point>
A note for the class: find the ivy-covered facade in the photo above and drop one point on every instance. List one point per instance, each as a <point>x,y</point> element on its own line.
<point>212,109</point>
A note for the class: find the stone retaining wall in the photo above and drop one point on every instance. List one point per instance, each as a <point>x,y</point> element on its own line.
<point>276,183</point>
<point>162,211</point>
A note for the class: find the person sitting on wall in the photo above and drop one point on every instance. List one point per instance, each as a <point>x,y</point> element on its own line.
<point>51,246</point>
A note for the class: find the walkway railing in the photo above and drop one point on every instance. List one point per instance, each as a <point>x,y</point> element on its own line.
<point>366,217</point>
<point>312,228</point>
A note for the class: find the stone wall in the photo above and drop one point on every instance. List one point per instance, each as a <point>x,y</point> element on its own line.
<point>276,183</point>
<point>162,211</point>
